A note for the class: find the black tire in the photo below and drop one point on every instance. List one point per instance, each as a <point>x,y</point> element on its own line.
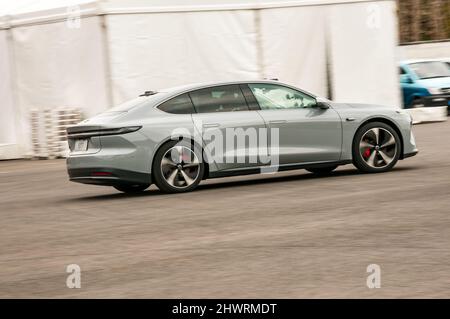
<point>363,157</point>
<point>322,170</point>
<point>132,188</point>
<point>417,102</point>
<point>158,172</point>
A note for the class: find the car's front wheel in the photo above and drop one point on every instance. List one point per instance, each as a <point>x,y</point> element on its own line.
<point>376,148</point>
<point>177,167</point>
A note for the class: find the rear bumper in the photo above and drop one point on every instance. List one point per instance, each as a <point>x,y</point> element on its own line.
<point>107,176</point>
<point>111,160</point>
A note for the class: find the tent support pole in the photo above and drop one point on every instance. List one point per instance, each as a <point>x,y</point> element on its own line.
<point>106,59</point>
<point>329,62</point>
<point>259,44</point>
<point>19,130</point>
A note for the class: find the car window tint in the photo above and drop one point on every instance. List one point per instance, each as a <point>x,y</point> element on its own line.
<point>271,96</point>
<point>178,105</point>
<point>227,98</point>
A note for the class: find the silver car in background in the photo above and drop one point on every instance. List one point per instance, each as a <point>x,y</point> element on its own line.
<point>174,138</point>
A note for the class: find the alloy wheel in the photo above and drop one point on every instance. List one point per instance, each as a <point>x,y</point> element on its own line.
<point>378,147</point>
<point>180,166</point>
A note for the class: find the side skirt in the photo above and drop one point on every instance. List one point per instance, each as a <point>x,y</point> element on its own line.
<point>280,168</point>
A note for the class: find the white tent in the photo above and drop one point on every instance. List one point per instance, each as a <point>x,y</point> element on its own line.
<point>93,54</point>
<point>8,118</point>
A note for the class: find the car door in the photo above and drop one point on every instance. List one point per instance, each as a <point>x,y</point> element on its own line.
<point>409,88</point>
<point>306,132</point>
<point>233,135</point>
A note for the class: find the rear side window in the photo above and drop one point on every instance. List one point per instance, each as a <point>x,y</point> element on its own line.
<point>225,98</point>
<point>178,105</point>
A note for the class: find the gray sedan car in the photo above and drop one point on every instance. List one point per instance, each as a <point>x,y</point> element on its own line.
<point>174,138</point>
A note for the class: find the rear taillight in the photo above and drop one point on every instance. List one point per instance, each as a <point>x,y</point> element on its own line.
<point>103,132</point>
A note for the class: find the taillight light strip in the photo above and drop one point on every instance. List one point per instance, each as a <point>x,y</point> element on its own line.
<point>103,132</point>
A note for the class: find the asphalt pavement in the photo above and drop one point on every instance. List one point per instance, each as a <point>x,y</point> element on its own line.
<point>287,235</point>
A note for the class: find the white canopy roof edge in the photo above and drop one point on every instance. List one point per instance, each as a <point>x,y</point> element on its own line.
<point>24,12</point>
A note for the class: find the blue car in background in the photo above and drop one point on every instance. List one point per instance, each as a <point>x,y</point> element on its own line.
<point>425,83</point>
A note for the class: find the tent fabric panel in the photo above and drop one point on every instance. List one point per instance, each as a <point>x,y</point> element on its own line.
<point>364,70</point>
<point>294,47</point>
<point>57,66</point>
<point>154,51</point>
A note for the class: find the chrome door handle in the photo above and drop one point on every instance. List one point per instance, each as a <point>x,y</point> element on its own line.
<point>210,125</point>
<point>277,122</point>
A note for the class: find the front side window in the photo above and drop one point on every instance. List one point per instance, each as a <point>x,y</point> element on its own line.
<point>178,105</point>
<point>273,97</point>
<point>226,98</point>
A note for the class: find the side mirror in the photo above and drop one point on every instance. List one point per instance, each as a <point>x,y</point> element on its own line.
<point>405,78</point>
<point>322,105</point>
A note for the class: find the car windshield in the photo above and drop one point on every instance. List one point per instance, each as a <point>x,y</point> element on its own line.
<point>430,70</point>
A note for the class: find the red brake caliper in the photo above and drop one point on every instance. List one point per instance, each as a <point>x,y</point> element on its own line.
<point>366,153</point>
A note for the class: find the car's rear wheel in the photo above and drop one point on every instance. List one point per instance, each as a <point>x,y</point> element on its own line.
<point>132,188</point>
<point>178,167</point>
<point>376,148</point>
<point>322,170</point>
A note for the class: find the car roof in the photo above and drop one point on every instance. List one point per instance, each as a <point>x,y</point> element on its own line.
<point>194,86</point>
